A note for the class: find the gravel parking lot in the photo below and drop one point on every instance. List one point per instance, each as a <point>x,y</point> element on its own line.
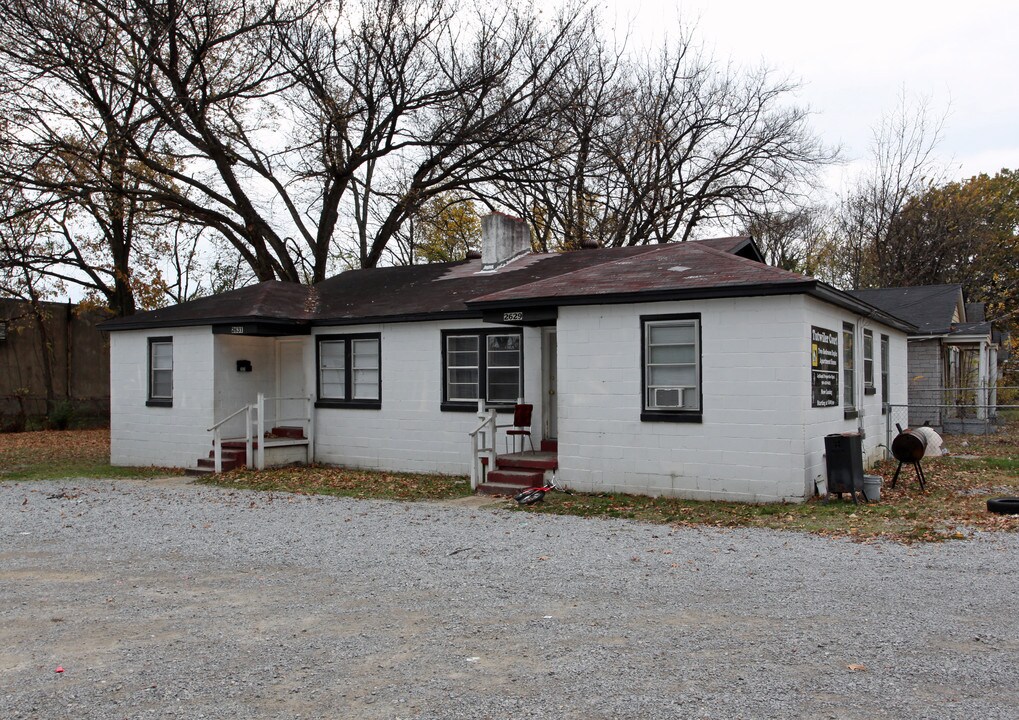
<point>165,600</point>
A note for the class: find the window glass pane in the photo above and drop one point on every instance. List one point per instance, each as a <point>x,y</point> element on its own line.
<point>462,343</point>
<point>162,384</point>
<point>366,354</point>
<point>673,333</point>
<point>330,354</point>
<point>672,354</point>
<point>162,356</point>
<point>462,359</point>
<point>884,368</point>
<point>366,384</point>
<point>849,370</point>
<point>672,376</point>
<point>505,358</point>
<point>503,385</point>
<point>331,382</point>
<point>503,342</point>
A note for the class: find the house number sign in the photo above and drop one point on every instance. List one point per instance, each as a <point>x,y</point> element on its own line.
<point>236,329</point>
<point>512,316</point>
<point>824,367</point>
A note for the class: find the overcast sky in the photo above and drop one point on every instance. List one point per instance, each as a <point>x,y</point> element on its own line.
<point>856,59</point>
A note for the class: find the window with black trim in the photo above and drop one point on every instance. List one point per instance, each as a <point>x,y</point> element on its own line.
<point>160,372</point>
<point>868,363</point>
<point>671,367</point>
<point>885,362</point>
<point>349,370</point>
<point>481,365</point>
<point>849,369</point>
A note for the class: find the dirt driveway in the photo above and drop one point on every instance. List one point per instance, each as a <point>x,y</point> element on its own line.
<point>165,600</point>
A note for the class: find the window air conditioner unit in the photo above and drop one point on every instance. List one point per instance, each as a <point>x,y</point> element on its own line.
<point>668,397</point>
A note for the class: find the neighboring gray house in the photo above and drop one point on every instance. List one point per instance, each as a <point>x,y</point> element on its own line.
<point>953,356</point>
<point>686,369</point>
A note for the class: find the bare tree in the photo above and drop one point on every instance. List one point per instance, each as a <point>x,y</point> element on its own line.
<point>902,164</point>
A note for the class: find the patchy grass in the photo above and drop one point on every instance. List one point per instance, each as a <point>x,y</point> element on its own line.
<point>327,480</point>
<point>58,454</point>
<point>953,507</point>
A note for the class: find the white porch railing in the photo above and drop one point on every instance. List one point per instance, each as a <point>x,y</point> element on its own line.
<point>255,422</point>
<point>217,437</point>
<point>482,445</point>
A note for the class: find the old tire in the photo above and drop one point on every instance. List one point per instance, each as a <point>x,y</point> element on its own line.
<point>1004,506</point>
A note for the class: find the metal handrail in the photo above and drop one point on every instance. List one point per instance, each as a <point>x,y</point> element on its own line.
<point>228,418</point>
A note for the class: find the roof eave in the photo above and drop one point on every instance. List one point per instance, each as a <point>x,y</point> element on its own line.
<point>829,294</point>
<point>706,293</point>
<point>125,323</point>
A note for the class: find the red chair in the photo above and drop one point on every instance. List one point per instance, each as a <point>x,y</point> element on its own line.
<point>521,426</point>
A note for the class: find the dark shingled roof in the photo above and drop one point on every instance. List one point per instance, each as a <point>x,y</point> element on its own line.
<point>271,302</point>
<point>929,307</point>
<point>664,270</point>
<point>975,312</point>
<point>710,268</point>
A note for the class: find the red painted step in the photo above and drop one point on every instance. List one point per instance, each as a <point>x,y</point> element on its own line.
<point>551,446</point>
<point>510,482</point>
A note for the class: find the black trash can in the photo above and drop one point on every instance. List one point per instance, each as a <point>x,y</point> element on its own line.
<point>843,455</point>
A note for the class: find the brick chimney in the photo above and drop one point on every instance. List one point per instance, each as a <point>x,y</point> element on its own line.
<point>503,238</point>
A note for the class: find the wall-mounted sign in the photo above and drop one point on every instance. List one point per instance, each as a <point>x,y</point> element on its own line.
<point>512,316</point>
<point>236,329</point>
<point>3,330</point>
<point>824,367</point>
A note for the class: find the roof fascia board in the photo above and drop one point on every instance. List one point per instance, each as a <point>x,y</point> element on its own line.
<point>833,295</point>
<point>197,322</point>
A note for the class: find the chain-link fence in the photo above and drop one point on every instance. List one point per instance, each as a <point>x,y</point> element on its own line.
<point>955,411</point>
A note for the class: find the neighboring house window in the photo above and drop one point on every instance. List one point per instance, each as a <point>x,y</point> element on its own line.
<point>884,372</point>
<point>160,372</point>
<point>868,363</point>
<point>481,365</point>
<point>849,369</point>
<point>350,371</point>
<point>671,364</point>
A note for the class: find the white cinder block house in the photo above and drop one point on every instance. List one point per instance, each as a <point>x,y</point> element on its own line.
<point>689,369</point>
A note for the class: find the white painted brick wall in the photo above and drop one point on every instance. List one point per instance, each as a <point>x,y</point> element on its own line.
<point>823,421</point>
<point>411,432</point>
<point>759,440</point>
<point>170,436</point>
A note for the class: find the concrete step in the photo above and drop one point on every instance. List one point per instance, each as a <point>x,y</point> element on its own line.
<point>521,479</point>
<point>499,488</point>
<point>210,464</point>
<point>283,431</point>
<point>528,461</point>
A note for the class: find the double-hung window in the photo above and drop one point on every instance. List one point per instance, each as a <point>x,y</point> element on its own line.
<point>885,361</point>
<point>350,371</point>
<point>849,369</point>
<point>671,361</point>
<point>481,365</point>
<point>160,372</point>
<point>868,363</point>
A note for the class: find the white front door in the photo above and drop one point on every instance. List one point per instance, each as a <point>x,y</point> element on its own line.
<point>291,383</point>
<point>549,361</point>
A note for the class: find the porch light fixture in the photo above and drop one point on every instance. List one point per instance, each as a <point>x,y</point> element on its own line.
<point>243,366</point>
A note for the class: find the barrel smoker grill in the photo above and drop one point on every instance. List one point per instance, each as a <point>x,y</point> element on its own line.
<point>909,446</point>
